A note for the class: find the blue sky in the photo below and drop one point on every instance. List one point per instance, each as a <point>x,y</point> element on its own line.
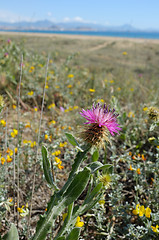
<point>142,14</point>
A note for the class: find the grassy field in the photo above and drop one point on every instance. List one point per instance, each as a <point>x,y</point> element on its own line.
<point>45,81</point>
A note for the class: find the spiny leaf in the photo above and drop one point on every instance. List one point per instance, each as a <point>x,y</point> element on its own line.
<point>73,141</point>
<point>47,168</point>
<point>59,202</point>
<point>77,186</point>
<point>98,166</point>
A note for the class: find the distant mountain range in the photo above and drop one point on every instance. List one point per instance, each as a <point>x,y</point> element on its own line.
<point>66,26</point>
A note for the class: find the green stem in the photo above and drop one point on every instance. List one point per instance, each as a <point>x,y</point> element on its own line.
<point>66,221</point>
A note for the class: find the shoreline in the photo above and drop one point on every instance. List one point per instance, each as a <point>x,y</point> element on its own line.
<point>81,37</point>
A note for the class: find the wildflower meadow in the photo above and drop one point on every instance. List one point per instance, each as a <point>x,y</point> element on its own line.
<point>79,143</point>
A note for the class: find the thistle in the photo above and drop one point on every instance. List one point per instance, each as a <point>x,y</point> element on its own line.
<point>102,122</point>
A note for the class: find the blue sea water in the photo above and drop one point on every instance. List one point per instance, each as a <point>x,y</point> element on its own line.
<point>145,35</point>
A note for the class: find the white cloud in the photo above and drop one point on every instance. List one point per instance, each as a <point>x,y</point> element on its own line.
<point>49,14</point>
<point>7,16</point>
<point>107,23</point>
<point>66,19</point>
<point>75,19</point>
<point>78,19</point>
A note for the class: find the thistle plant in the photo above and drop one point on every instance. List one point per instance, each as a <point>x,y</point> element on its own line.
<point>102,122</point>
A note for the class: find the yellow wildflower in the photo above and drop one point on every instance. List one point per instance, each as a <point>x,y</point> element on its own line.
<point>70,108</point>
<point>69,86</point>
<point>143,157</point>
<point>14,133</point>
<point>9,159</point>
<point>30,93</point>
<point>138,171</point>
<point>62,144</point>
<point>92,90</point>
<point>60,166</point>
<point>155,229</point>
<point>145,108</point>
<point>46,136</point>
<point>148,212</point>
<point>140,210</point>
<point>10,151</point>
<point>23,211</point>
<point>75,107</point>
<point>35,109</point>
<point>125,53</point>
<point>51,106</point>
<point>131,114</point>
<point>3,122</point>
<point>111,81</point>
<point>32,144</point>
<point>151,139</point>
<point>78,222</point>
<point>15,150</point>
<point>32,68</point>
<point>70,76</point>
<point>102,202</point>
<point>56,153</point>
<point>2,160</point>
<point>130,168</point>
<point>14,106</point>
<point>100,100</point>
<point>57,160</point>
<point>27,125</point>
<point>52,122</point>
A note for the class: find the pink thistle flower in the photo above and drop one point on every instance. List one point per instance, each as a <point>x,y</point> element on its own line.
<point>103,116</point>
<point>101,122</point>
<point>6,54</point>
<point>9,41</point>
